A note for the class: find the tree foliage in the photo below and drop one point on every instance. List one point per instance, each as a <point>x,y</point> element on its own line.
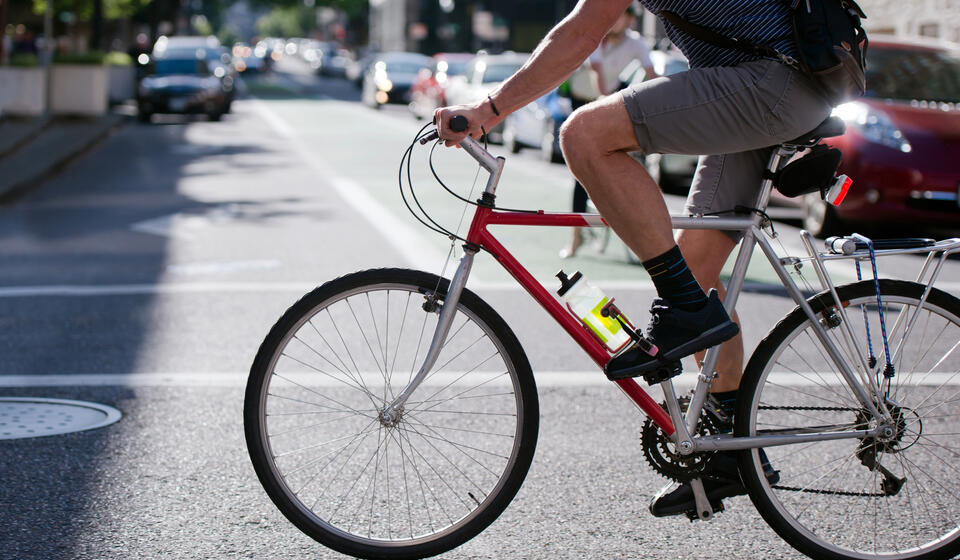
<point>285,21</point>
<point>83,9</point>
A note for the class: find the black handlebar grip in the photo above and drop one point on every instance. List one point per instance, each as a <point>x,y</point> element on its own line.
<point>458,123</point>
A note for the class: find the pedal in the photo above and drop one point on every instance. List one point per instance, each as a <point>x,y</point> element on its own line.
<point>663,371</point>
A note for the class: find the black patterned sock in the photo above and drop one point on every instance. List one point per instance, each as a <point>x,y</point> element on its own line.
<point>674,281</point>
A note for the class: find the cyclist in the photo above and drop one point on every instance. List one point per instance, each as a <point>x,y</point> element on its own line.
<point>730,106</point>
<point>619,47</point>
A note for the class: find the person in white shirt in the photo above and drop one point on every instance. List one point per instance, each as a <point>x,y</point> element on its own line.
<point>621,46</point>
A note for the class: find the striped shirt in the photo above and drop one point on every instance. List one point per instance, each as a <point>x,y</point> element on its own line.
<point>763,22</point>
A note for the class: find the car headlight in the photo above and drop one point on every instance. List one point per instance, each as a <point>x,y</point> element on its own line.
<point>874,125</point>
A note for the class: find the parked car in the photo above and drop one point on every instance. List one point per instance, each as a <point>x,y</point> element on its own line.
<point>389,78</point>
<point>483,75</point>
<point>537,125</point>
<point>181,83</point>
<point>427,92</point>
<point>902,144</point>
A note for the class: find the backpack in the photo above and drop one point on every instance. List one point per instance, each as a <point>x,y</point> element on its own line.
<point>831,44</point>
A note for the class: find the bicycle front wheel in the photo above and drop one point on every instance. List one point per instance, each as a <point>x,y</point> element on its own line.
<point>862,498</point>
<point>414,485</point>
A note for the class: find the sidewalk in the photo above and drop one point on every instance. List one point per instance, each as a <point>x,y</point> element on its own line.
<point>32,150</point>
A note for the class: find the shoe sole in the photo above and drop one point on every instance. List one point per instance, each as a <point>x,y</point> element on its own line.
<point>709,338</point>
<point>714,497</point>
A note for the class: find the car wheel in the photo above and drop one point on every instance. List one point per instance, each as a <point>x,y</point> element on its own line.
<point>144,116</point>
<point>819,218</point>
<point>215,115</point>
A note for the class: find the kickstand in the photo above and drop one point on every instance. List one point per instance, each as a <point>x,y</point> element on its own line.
<point>704,511</point>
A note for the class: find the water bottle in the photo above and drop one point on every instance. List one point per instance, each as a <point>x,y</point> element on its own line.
<point>586,302</point>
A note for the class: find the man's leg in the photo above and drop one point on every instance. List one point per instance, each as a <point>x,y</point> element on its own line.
<point>595,141</point>
<point>707,252</point>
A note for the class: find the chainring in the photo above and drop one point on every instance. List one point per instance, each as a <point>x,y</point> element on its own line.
<point>663,456</point>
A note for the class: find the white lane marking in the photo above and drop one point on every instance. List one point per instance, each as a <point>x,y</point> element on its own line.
<point>406,241</point>
<point>237,379</point>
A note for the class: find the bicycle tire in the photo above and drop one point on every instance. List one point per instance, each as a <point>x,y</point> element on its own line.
<point>828,503</point>
<point>455,458</point>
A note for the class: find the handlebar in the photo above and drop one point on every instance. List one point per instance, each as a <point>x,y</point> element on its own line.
<point>458,124</point>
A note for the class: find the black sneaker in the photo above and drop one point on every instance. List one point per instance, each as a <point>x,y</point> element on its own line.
<point>676,333</point>
<point>722,480</point>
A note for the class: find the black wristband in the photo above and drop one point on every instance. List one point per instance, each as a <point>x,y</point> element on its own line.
<point>492,106</point>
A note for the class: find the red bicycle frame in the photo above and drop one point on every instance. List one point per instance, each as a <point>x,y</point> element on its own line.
<point>479,235</point>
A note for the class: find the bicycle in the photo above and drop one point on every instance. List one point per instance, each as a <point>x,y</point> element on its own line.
<point>392,413</point>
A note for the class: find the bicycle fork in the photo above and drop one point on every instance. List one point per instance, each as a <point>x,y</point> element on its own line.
<point>448,309</point>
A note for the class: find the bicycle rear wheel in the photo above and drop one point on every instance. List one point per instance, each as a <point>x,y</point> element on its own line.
<point>412,487</point>
<point>861,497</point>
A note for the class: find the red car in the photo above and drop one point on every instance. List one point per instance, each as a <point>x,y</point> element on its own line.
<point>426,94</point>
<point>902,145</point>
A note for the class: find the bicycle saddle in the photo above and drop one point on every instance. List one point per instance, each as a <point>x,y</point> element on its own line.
<point>832,126</point>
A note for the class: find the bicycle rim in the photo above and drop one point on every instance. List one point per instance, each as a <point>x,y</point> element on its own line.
<point>833,499</point>
<point>415,486</point>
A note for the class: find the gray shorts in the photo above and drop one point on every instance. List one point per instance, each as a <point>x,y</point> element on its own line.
<point>730,116</point>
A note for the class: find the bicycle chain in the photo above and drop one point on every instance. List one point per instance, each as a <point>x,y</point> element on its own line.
<point>824,408</point>
<point>831,492</point>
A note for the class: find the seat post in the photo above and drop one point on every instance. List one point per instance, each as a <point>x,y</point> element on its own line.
<point>773,164</point>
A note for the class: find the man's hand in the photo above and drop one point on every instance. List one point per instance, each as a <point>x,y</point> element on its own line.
<point>477,114</point>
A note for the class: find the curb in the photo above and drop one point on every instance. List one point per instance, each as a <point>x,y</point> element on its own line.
<point>9,193</point>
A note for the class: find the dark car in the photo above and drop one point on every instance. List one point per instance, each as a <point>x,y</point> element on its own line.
<point>427,92</point>
<point>902,145</point>
<point>181,84</point>
<point>389,78</point>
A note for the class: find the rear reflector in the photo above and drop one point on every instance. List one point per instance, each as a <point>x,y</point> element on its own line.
<point>838,191</point>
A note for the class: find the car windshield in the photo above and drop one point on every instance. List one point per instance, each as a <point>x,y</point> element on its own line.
<point>499,72</point>
<point>908,75</point>
<point>456,68</point>
<point>404,67</point>
<point>168,66</point>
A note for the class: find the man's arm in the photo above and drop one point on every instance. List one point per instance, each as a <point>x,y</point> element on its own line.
<point>561,52</point>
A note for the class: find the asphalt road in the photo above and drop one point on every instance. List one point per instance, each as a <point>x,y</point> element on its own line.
<point>145,276</point>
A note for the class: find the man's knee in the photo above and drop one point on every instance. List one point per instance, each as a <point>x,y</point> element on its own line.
<point>575,135</point>
<point>601,127</point>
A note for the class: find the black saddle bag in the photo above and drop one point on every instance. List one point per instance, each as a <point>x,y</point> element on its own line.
<point>815,171</point>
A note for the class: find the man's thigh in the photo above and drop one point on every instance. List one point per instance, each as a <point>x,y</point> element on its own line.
<point>723,110</point>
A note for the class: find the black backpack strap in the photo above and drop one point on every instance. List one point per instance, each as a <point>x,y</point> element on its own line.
<point>708,35</point>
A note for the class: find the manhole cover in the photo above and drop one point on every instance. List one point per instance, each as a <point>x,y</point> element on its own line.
<point>34,417</point>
